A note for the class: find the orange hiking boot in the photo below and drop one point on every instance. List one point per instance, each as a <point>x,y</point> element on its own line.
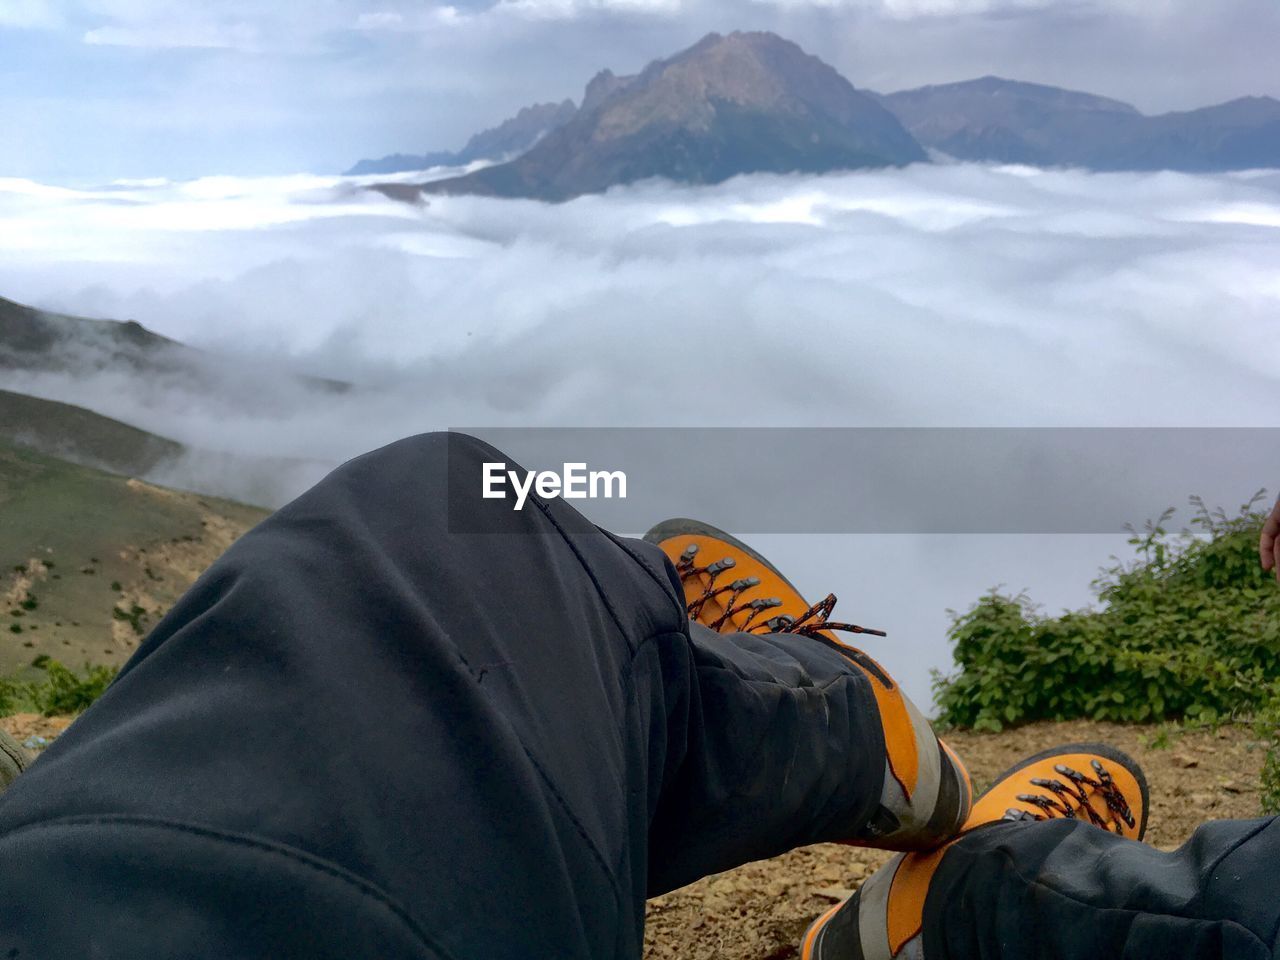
<point>730,588</point>
<point>1081,781</point>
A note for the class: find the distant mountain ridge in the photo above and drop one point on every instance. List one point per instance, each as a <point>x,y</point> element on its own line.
<point>758,103</point>
<point>27,334</point>
<point>510,138</point>
<point>741,103</point>
<point>60,376</point>
<point>1008,121</point>
<point>40,341</point>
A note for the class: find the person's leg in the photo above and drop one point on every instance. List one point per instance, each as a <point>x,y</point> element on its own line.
<point>1062,890</point>
<point>775,742</point>
<point>13,760</point>
<point>1033,877</point>
<point>729,587</point>
<point>369,730</point>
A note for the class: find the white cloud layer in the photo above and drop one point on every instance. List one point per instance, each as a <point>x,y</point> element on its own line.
<point>941,295</point>
<point>936,295</point>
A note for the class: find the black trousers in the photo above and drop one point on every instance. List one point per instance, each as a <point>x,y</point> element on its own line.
<point>362,735</point>
<point>1066,890</point>
<point>370,731</point>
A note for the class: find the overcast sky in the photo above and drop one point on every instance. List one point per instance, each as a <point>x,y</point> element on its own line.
<point>92,90</point>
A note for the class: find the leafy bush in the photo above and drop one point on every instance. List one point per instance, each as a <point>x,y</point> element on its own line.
<point>1267,726</point>
<point>134,616</point>
<point>65,691</point>
<point>11,696</point>
<point>60,690</point>
<point>1188,630</point>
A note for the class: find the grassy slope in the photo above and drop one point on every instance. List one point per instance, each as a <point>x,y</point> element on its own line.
<point>80,435</point>
<point>76,532</point>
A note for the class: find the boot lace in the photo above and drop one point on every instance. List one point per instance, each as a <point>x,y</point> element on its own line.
<point>811,623</point>
<point>1071,799</point>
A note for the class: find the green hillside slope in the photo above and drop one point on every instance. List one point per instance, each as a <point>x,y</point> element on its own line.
<point>89,561</point>
<point>81,436</point>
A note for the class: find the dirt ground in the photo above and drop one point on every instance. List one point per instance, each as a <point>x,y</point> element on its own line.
<point>34,731</point>
<point>760,911</point>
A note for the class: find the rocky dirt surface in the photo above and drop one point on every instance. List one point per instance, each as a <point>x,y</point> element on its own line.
<point>760,911</point>
<point>33,731</point>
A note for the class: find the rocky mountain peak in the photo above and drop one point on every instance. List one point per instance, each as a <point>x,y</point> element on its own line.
<point>601,87</point>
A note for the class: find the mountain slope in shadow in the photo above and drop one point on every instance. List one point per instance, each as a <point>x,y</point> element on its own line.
<point>508,139</point>
<point>1007,121</point>
<point>41,341</point>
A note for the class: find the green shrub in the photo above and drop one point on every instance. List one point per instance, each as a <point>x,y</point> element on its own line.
<point>65,691</point>
<point>1269,729</point>
<point>60,690</point>
<point>1189,629</point>
<point>11,696</point>
<point>134,616</point>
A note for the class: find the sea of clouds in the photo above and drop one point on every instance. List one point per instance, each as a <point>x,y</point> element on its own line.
<point>940,295</point>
